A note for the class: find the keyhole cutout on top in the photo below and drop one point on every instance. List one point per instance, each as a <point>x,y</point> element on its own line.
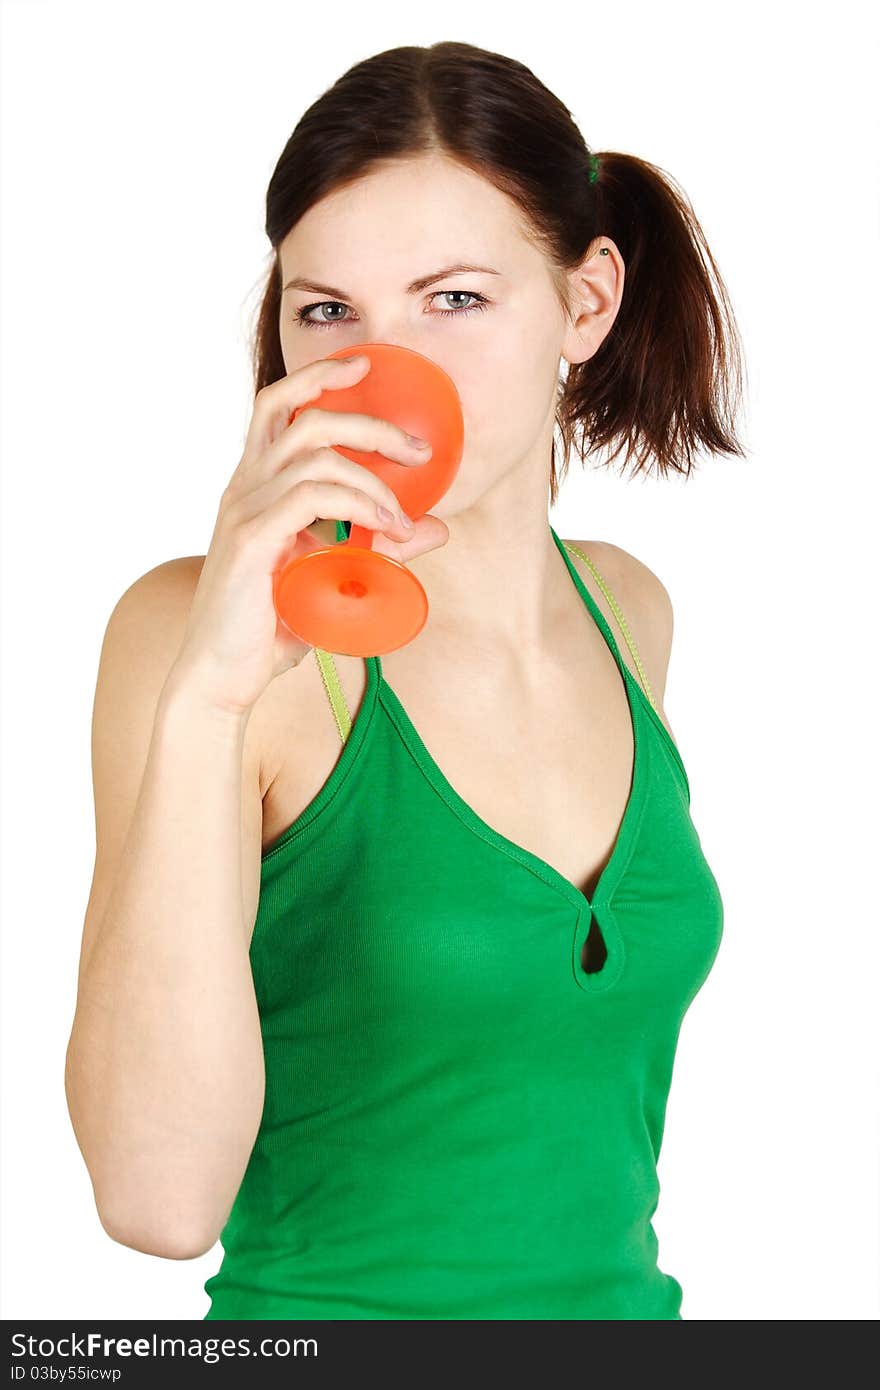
<point>594,952</point>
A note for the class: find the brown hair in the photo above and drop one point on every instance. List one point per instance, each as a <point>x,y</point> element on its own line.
<point>668,376</point>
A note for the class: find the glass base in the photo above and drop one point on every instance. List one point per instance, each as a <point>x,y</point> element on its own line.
<point>350,600</point>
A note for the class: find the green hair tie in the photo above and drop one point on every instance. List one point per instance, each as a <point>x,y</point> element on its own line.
<point>594,168</point>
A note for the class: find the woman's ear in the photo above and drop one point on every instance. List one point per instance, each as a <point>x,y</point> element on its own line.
<point>595,289</point>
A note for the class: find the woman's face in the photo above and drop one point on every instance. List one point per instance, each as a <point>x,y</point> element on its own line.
<point>497,331</point>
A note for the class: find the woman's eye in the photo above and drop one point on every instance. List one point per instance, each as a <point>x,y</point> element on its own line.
<point>480,302</point>
<point>302,315</point>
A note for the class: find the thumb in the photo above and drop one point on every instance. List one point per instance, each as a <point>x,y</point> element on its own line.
<point>429,534</point>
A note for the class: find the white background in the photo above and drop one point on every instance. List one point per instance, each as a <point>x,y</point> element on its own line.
<point>137,143</point>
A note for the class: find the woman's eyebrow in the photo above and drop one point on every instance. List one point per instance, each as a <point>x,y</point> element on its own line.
<point>298,283</point>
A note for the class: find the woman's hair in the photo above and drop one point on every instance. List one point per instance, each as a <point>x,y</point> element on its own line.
<point>667,378</point>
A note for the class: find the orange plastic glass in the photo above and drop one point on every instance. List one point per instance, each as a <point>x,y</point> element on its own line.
<point>345,598</point>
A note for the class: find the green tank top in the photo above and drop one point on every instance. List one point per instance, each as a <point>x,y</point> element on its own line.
<point>460,1119</point>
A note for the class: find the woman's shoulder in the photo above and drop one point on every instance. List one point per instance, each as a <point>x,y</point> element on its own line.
<point>631,575</point>
<point>641,600</point>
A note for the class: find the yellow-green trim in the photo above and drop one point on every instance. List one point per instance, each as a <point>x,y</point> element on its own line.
<point>330,677</point>
<point>612,603</point>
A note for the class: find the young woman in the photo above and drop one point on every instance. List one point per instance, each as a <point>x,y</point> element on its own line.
<point>385,960</point>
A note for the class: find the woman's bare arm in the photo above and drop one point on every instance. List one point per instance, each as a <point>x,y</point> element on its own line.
<point>164,1071</point>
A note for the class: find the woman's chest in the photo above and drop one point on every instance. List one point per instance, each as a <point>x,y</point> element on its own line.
<point>548,767</point>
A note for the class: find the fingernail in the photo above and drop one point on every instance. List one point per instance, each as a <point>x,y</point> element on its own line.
<point>407,521</point>
<point>418,443</point>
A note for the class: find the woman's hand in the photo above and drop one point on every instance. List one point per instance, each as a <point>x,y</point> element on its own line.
<point>289,475</point>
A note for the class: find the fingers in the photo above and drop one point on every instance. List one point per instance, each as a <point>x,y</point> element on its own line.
<point>274,404</point>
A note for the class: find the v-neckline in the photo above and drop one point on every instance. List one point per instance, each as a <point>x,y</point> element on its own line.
<point>611,874</point>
